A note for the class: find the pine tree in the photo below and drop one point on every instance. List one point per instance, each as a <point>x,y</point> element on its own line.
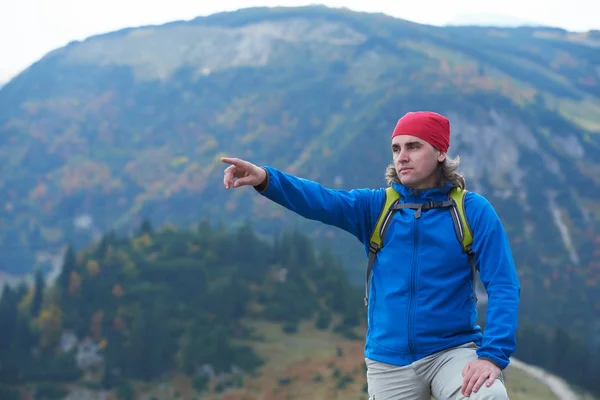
<point>146,227</point>
<point>38,297</point>
<point>8,322</point>
<point>8,317</point>
<point>69,265</point>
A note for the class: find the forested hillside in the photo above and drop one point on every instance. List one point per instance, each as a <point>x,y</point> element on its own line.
<point>195,303</point>
<point>170,301</point>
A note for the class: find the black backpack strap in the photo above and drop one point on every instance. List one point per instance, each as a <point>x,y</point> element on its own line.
<point>424,206</point>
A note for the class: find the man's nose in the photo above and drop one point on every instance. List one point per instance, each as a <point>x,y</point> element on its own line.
<point>403,156</point>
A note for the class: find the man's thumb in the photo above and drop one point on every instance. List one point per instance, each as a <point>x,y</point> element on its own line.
<point>243,181</point>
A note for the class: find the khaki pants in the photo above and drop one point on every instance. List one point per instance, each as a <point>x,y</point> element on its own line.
<point>438,375</point>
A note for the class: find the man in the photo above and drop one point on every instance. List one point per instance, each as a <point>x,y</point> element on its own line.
<point>422,338</point>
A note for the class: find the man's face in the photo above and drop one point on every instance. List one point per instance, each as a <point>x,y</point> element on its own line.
<point>416,161</point>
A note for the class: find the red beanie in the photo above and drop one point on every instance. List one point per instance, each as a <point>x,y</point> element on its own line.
<point>429,126</point>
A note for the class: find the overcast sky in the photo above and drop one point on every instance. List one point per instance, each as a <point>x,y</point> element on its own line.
<point>31,28</point>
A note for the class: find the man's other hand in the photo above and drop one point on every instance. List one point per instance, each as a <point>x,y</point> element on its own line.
<point>476,373</point>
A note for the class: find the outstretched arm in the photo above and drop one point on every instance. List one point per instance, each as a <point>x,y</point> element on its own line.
<point>349,210</point>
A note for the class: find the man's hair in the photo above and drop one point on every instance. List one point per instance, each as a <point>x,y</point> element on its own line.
<point>447,173</point>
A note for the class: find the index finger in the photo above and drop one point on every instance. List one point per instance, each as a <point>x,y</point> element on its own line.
<point>232,161</point>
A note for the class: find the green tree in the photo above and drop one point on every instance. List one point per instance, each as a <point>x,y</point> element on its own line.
<point>38,296</point>
<point>146,227</point>
<point>68,266</point>
<point>8,321</point>
<point>151,347</point>
<point>207,344</point>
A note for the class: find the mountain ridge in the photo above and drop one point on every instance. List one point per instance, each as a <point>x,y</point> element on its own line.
<point>493,20</point>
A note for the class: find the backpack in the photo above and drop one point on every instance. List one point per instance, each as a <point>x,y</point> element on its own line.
<point>456,204</point>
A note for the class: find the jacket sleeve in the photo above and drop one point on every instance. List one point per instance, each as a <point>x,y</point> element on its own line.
<point>348,210</point>
<point>494,261</point>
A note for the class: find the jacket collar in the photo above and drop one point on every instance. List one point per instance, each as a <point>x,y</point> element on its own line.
<point>423,195</point>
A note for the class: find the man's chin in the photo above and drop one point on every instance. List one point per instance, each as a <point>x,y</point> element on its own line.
<point>409,183</point>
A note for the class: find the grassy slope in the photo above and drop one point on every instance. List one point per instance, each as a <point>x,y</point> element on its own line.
<point>309,354</point>
<point>522,386</point>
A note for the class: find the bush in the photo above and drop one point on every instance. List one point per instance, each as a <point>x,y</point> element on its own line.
<point>48,390</point>
<point>346,331</point>
<point>343,381</point>
<point>7,393</point>
<point>285,380</point>
<point>200,382</point>
<point>125,391</point>
<point>237,380</point>
<point>245,358</point>
<point>323,320</point>
<point>290,327</point>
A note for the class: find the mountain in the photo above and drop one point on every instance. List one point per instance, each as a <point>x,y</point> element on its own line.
<point>490,19</point>
<point>100,134</point>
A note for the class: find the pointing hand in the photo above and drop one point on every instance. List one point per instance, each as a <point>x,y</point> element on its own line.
<point>242,173</point>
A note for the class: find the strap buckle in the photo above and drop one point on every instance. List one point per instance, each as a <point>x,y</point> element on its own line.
<point>373,247</point>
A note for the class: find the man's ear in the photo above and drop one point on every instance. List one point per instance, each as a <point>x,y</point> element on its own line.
<point>441,156</point>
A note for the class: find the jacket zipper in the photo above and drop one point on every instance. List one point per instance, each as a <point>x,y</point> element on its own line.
<point>413,278</point>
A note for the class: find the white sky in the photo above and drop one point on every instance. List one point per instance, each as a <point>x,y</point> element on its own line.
<point>31,28</point>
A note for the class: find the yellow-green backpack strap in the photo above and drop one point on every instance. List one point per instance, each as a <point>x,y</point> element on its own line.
<point>377,235</point>
<point>463,230</point>
<point>464,233</point>
<point>376,240</point>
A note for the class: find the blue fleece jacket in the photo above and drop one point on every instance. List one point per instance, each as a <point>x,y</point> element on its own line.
<point>420,296</point>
